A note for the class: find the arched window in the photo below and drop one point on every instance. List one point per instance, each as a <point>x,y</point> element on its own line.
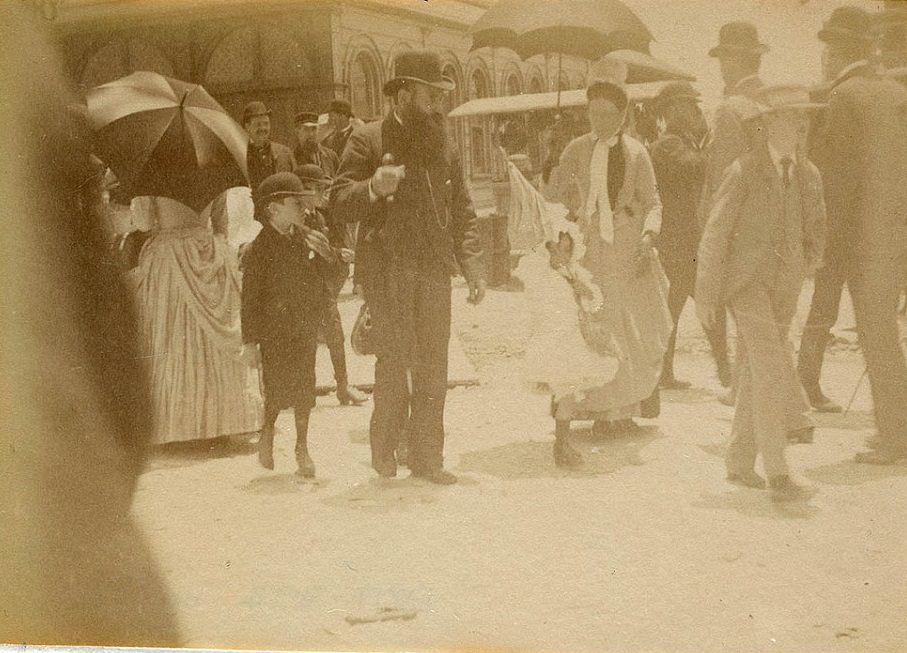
<point>536,85</point>
<point>365,91</point>
<point>513,85</point>
<point>121,58</point>
<point>266,63</point>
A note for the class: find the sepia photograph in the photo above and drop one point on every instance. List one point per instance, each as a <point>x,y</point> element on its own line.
<point>453,325</point>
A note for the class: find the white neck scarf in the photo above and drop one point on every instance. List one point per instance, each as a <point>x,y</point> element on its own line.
<point>598,199</point>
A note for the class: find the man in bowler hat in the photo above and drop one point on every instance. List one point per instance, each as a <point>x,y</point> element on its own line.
<point>308,150</point>
<point>403,181</point>
<point>739,53</point>
<point>340,114</point>
<point>862,153</point>
<point>285,292</point>
<point>264,157</point>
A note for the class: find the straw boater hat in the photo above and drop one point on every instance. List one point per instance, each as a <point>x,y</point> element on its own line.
<point>422,66</point>
<point>738,38</point>
<point>783,96</point>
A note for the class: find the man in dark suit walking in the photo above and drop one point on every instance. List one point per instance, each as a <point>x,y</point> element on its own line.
<point>401,179</point>
<point>862,153</point>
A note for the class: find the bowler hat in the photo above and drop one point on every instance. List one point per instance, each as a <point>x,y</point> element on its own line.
<point>276,186</point>
<point>847,24</point>
<point>423,66</point>
<point>309,173</point>
<point>784,96</point>
<point>253,109</point>
<point>340,106</point>
<point>306,118</point>
<point>674,92</point>
<point>738,38</point>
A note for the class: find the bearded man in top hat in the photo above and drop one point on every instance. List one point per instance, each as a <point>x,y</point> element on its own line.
<point>264,157</point>
<point>862,153</point>
<point>340,114</point>
<point>680,161</point>
<point>308,150</point>
<point>402,180</point>
<point>739,53</point>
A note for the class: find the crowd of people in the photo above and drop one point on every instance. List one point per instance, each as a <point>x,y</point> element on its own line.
<point>788,182</point>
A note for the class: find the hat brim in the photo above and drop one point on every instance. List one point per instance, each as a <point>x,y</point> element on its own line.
<point>839,34</point>
<point>307,123</point>
<point>797,106</point>
<point>393,85</point>
<point>726,50</point>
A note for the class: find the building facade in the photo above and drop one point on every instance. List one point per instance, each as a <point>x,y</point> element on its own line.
<point>297,55</point>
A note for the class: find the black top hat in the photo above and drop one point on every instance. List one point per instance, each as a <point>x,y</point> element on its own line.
<point>253,109</point>
<point>340,106</point>
<point>309,173</point>
<point>305,118</point>
<point>673,92</point>
<point>422,66</point>
<point>847,24</point>
<point>738,38</point>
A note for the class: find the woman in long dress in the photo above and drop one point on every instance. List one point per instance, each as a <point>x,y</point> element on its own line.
<point>606,181</point>
<point>188,292</point>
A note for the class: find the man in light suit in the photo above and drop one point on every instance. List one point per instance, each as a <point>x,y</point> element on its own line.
<point>765,232</point>
<point>862,152</point>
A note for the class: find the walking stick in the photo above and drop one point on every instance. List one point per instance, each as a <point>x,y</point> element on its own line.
<point>855,390</point>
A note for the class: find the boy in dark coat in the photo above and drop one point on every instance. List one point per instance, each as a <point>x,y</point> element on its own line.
<point>286,289</point>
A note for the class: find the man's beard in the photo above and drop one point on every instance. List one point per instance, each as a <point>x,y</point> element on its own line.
<point>424,138</point>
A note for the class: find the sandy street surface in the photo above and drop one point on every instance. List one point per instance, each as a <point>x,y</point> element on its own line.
<point>648,548</point>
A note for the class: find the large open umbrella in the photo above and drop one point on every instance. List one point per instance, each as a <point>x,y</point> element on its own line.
<point>588,29</point>
<point>584,28</point>
<point>161,136</point>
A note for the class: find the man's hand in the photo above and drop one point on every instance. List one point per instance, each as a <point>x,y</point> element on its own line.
<point>251,355</point>
<point>387,177</point>
<point>644,254</point>
<point>707,314</point>
<point>318,243</point>
<point>347,255</point>
<point>476,291</point>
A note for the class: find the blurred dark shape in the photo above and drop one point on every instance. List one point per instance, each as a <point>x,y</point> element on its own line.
<point>76,408</point>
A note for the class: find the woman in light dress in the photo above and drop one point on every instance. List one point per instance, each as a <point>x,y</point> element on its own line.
<point>187,284</point>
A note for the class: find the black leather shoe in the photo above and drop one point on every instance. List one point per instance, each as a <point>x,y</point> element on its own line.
<point>802,436</point>
<point>348,395</point>
<point>881,457</point>
<point>672,383</point>
<point>822,404</point>
<point>747,479</point>
<point>306,466</point>
<point>783,490</point>
<point>566,456</point>
<point>436,476</point>
<point>386,469</point>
